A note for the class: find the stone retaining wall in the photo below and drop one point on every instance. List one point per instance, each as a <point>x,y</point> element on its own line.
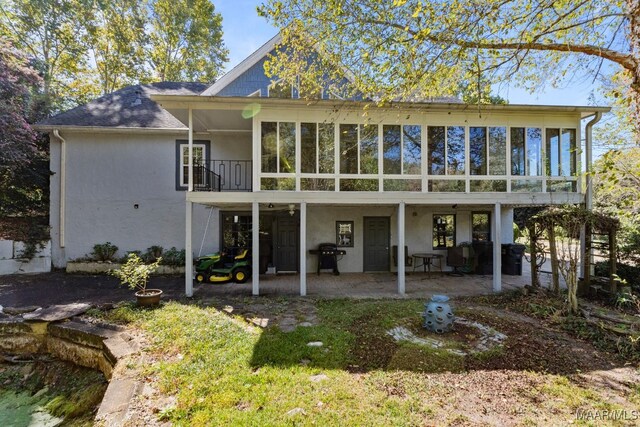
<point>107,348</point>
<point>12,262</point>
<point>74,341</point>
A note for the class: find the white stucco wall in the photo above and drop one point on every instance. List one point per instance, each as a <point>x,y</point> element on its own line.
<point>106,175</point>
<point>321,223</point>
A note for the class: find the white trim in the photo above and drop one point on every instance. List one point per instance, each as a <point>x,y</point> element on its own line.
<point>497,248</point>
<point>202,102</point>
<point>190,181</point>
<point>255,247</point>
<point>63,187</point>
<point>104,129</point>
<point>277,82</point>
<point>401,255</point>
<point>303,249</point>
<point>188,259</point>
<point>183,182</point>
<point>256,94</point>
<point>242,67</point>
<point>387,198</point>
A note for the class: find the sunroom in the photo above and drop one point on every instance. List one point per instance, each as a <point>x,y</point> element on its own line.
<point>409,163</point>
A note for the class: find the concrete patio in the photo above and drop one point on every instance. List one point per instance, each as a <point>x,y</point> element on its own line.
<point>365,285</point>
<point>371,285</point>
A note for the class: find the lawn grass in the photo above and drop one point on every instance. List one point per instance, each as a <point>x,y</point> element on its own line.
<point>225,371</point>
<point>230,373</point>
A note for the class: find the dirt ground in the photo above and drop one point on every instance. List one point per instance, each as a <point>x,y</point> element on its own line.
<point>531,382</point>
<point>542,376</point>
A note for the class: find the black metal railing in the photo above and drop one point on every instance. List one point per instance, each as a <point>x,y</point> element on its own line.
<point>204,179</point>
<point>234,175</point>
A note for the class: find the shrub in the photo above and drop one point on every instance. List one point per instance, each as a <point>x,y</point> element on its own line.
<point>153,253</point>
<point>174,257</point>
<point>630,273</point>
<point>104,252</point>
<point>126,256</point>
<point>135,273</point>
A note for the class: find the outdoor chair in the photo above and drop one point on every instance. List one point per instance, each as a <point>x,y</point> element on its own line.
<point>456,258</point>
<point>408,261</point>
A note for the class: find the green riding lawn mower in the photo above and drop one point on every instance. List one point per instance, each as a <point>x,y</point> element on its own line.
<point>222,267</point>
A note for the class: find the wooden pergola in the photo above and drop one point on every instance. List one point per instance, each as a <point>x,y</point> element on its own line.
<point>572,219</point>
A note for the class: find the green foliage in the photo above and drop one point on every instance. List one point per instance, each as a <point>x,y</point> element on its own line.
<point>24,169</point>
<point>51,32</point>
<point>153,253</point>
<point>104,252</point>
<point>186,40</point>
<point>135,273</point>
<point>408,49</point>
<point>563,225</point>
<point>628,272</point>
<point>174,257</point>
<point>116,38</point>
<point>617,193</point>
<point>85,48</point>
<point>479,92</point>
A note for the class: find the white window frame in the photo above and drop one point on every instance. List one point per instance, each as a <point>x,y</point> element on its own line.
<point>276,83</point>
<point>183,178</point>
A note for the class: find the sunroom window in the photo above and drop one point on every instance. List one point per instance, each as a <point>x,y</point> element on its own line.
<point>278,145</point>
<point>402,149</point>
<point>526,151</point>
<point>317,145</point>
<point>561,152</point>
<point>446,150</point>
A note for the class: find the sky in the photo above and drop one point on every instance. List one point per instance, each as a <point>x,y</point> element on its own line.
<point>245,32</point>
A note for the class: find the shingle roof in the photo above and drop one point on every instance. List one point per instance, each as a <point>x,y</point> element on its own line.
<point>128,107</point>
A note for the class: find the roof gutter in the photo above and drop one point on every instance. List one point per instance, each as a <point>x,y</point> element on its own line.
<point>63,185</point>
<point>589,159</point>
<point>110,130</point>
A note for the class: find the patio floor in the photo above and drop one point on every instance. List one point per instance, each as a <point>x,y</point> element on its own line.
<point>372,285</point>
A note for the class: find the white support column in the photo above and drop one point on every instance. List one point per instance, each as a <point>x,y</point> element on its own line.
<point>506,218</point>
<point>188,252</point>
<point>190,182</point>
<point>401,254</point>
<point>497,249</point>
<point>255,248</point>
<point>303,249</point>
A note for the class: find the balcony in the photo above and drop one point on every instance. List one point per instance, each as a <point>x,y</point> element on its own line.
<point>223,175</point>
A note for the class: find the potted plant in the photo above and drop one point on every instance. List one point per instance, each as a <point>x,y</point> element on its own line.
<point>135,274</point>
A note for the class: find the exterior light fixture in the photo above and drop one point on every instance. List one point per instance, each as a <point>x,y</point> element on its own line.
<point>292,209</point>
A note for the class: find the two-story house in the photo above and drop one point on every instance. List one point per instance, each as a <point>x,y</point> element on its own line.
<point>246,160</point>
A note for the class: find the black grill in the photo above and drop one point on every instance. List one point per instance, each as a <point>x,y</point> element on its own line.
<point>328,257</point>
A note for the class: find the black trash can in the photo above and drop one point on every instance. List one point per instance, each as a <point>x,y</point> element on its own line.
<point>512,254</point>
<point>484,256</point>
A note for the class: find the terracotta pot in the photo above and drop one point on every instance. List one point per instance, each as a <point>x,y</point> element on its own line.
<point>149,297</point>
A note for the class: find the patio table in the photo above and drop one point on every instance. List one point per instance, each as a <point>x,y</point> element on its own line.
<point>427,261</point>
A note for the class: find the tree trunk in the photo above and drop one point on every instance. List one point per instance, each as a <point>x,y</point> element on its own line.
<point>586,267</point>
<point>555,275</point>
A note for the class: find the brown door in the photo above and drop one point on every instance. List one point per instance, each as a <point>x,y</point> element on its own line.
<point>376,244</point>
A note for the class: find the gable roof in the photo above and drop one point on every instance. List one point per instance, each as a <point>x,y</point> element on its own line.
<point>129,107</point>
<point>243,66</point>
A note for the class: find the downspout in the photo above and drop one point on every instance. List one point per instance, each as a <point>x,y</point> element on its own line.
<point>585,233</point>
<point>63,189</point>
<point>588,201</point>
